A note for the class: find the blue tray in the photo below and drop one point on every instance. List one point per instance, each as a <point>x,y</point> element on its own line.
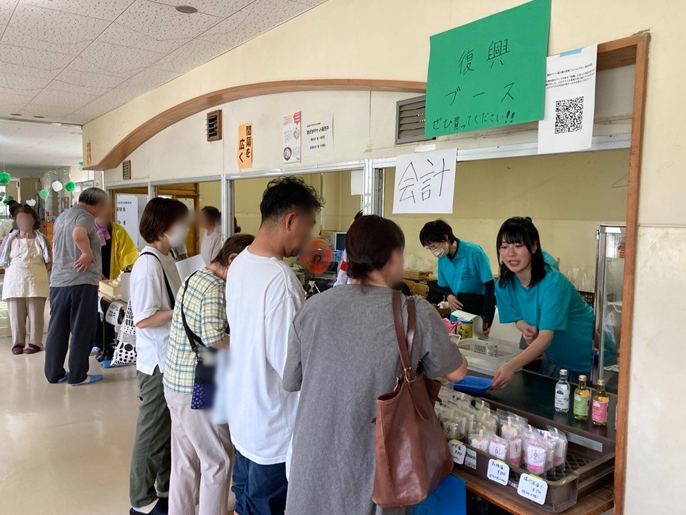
<point>473,384</point>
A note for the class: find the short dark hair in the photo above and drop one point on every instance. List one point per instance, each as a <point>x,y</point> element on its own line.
<point>435,232</point>
<point>12,207</point>
<point>212,213</point>
<point>27,210</point>
<point>234,245</point>
<point>519,229</point>
<point>369,243</point>
<point>158,217</point>
<point>287,194</point>
<point>236,227</point>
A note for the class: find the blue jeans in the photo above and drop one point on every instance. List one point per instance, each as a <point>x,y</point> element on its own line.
<point>259,489</point>
<point>552,369</point>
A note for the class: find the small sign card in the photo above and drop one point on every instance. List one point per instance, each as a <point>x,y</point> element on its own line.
<point>458,450</point>
<point>533,488</point>
<point>498,471</point>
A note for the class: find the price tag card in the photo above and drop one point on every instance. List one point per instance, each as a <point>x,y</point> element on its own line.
<point>470,459</point>
<point>458,450</point>
<point>533,488</point>
<point>112,314</point>
<point>498,471</point>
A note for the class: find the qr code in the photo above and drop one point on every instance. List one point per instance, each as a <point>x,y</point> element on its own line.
<point>568,115</point>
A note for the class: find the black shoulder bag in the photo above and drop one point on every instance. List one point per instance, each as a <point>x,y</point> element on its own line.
<point>203,385</point>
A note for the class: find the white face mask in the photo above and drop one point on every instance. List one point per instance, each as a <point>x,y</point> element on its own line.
<point>439,252</point>
<point>177,235</point>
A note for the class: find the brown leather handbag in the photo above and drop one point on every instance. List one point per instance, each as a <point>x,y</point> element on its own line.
<point>412,454</point>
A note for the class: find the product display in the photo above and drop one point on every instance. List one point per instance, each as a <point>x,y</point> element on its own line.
<point>562,390</point>
<point>601,404</point>
<point>582,396</point>
<point>479,440</point>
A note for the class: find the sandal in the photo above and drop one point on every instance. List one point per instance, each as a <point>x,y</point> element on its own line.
<point>17,349</point>
<point>32,349</point>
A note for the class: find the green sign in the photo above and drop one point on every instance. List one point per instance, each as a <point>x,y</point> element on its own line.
<point>490,72</point>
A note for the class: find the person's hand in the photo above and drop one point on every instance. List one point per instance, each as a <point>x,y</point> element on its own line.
<point>454,303</point>
<point>502,377</point>
<point>530,334</point>
<point>82,264</point>
<point>486,328</point>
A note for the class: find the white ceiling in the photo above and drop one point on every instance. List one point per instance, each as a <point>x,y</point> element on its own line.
<point>29,149</point>
<point>74,60</point>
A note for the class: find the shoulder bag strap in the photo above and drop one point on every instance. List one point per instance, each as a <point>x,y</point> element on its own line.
<point>404,340</point>
<point>166,281</point>
<point>193,338</point>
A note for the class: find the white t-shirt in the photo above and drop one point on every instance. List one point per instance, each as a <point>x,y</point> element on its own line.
<point>148,295</point>
<point>263,296</point>
<point>211,245</point>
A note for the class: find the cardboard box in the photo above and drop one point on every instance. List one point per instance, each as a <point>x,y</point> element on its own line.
<point>108,290</point>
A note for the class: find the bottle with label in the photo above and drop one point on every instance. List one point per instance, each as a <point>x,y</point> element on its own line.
<point>581,397</point>
<point>601,403</point>
<point>562,390</point>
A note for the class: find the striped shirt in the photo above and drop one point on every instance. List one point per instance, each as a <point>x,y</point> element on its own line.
<point>205,308</point>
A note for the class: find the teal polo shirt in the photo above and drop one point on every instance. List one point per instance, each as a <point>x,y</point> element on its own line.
<point>550,260</point>
<point>466,271</point>
<point>552,304</point>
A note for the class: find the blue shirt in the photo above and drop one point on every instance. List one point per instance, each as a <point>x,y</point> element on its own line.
<point>554,305</point>
<point>466,271</point>
<point>550,260</point>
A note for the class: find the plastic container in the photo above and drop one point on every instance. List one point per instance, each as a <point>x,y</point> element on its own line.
<point>473,384</point>
<point>478,359</point>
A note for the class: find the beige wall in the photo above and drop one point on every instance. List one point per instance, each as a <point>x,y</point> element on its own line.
<point>389,39</point>
<point>567,196</point>
<point>339,207</point>
<point>210,194</point>
<point>29,188</point>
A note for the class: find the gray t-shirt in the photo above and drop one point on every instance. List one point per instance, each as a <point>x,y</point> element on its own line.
<point>342,355</point>
<point>67,252</point>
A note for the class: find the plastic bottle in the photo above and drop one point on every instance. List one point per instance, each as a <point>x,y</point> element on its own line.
<point>581,397</point>
<point>562,390</point>
<point>601,403</point>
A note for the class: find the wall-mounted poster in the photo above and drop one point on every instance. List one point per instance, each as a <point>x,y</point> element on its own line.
<point>569,102</point>
<point>318,137</point>
<point>291,138</point>
<point>490,72</point>
<point>425,182</point>
<point>245,143</point>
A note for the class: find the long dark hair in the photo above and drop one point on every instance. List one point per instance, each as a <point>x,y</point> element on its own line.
<point>369,244</point>
<point>521,230</point>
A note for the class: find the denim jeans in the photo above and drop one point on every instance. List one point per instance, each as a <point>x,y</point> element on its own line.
<point>259,489</point>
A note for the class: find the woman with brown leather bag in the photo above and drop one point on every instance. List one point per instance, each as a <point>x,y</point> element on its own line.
<point>344,353</point>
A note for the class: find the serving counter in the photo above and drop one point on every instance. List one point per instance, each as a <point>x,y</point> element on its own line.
<point>533,394</point>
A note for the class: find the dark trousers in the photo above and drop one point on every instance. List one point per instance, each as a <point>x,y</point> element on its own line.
<point>105,335</point>
<point>151,458</point>
<point>259,489</point>
<point>73,309</point>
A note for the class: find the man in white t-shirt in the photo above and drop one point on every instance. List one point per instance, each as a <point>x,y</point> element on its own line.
<point>262,297</point>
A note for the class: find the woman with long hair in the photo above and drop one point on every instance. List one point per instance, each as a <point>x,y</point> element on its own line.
<point>553,318</point>
<point>342,355</point>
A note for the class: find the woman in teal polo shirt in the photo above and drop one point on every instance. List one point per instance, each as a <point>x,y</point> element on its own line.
<point>545,306</point>
<point>464,271</point>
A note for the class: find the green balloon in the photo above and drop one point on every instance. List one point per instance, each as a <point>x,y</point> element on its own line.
<point>43,194</point>
<point>5,178</point>
<point>70,186</point>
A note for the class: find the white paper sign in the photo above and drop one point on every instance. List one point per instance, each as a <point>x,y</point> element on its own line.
<point>470,459</point>
<point>356,182</point>
<point>567,124</point>
<point>112,315</point>
<point>291,138</point>
<point>498,471</point>
<point>127,214</point>
<point>533,488</point>
<point>318,136</point>
<point>458,450</point>
<point>425,182</point>
<point>187,266</point>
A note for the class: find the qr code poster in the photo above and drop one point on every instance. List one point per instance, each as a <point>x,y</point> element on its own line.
<point>567,125</point>
<point>425,182</point>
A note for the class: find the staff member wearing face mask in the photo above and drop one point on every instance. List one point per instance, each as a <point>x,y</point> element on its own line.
<point>25,254</point>
<point>154,284</point>
<point>464,271</point>
<point>545,306</point>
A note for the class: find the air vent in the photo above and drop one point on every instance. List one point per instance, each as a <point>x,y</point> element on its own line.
<point>409,122</point>
<point>214,125</point>
<point>126,170</point>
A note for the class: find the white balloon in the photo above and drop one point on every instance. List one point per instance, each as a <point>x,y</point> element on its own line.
<point>31,202</point>
<point>57,186</point>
